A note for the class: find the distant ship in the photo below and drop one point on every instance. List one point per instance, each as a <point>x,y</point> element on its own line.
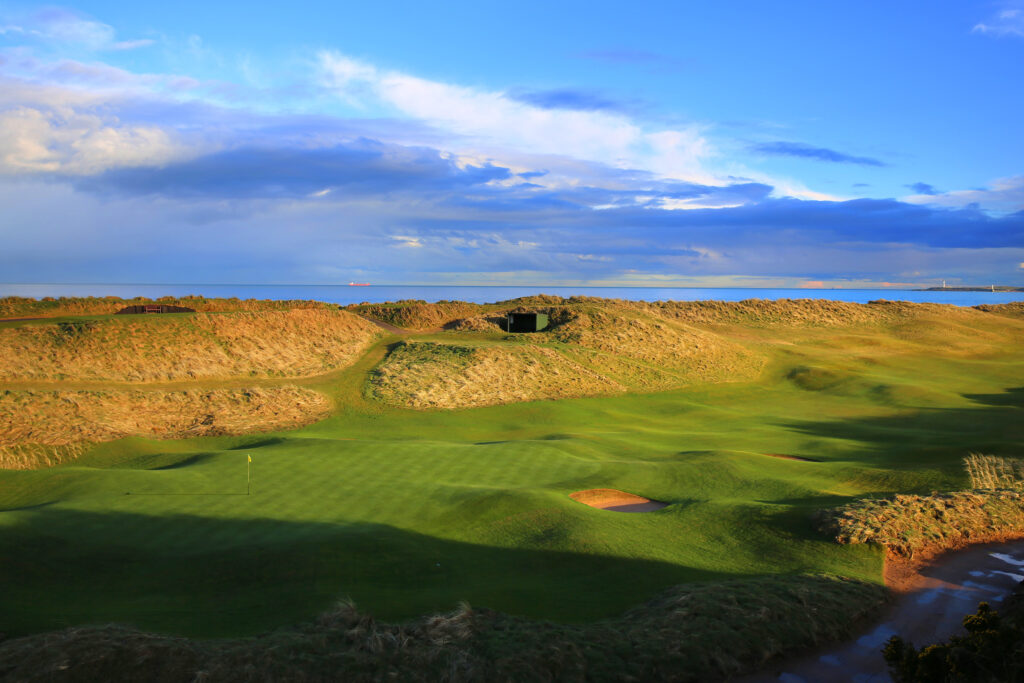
<point>359,284</point>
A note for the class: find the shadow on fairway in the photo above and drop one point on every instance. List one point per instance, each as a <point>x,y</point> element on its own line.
<point>932,437</point>
<point>210,577</point>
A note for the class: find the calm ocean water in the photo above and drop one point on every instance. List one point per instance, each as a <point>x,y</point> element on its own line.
<point>345,294</point>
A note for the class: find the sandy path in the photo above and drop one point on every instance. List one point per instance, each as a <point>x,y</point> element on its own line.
<point>931,609</point>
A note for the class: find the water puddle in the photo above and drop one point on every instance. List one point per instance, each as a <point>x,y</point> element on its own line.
<point>932,611</point>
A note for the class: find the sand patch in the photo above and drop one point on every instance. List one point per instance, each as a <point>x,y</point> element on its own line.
<point>616,501</point>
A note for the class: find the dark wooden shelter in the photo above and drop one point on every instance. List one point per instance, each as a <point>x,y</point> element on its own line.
<point>154,308</point>
<point>527,322</point>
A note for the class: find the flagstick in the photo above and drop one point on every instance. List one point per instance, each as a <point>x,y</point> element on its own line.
<point>248,476</point>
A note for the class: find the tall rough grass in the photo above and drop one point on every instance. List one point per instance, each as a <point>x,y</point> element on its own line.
<point>418,315</point>
<point>289,343</point>
<point>429,375</point>
<point>39,428</point>
<point>991,472</point>
<point>912,524</point>
<point>22,307</point>
<point>589,349</point>
<point>31,456</point>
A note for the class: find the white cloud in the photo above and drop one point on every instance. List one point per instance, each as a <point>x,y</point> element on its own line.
<point>674,204</point>
<point>407,241</point>
<point>72,142</point>
<point>1008,22</point>
<point>68,28</point>
<point>1004,195</point>
<point>132,44</point>
<point>489,123</point>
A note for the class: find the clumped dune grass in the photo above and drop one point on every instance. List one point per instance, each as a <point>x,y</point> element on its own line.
<point>418,315</point>
<point>689,353</point>
<point>431,375</point>
<point>587,350</point>
<point>1014,309</point>
<point>639,346</point>
<point>289,343</point>
<point>477,324</point>
<point>991,472</point>
<point>47,427</point>
<point>909,524</point>
<point>912,524</point>
<point>762,312</point>
<point>689,633</point>
<point>30,456</point>
<point>21,307</point>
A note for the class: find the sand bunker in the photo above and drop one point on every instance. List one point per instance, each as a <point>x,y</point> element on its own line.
<point>617,501</point>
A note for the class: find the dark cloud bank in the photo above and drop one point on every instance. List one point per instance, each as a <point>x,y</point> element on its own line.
<point>399,211</point>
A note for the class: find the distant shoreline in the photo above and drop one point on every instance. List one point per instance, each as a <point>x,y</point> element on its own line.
<point>996,289</point>
<point>344,294</point>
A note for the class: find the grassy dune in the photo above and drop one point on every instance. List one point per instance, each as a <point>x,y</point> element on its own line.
<point>49,307</point>
<point>37,427</point>
<point>432,375</point>
<point>595,347</point>
<point>418,315</point>
<point>171,347</point>
<point>410,511</point>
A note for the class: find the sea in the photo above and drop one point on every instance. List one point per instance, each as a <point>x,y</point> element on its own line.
<point>347,294</point>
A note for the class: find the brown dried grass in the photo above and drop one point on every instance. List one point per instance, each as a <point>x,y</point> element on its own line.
<point>44,427</point>
<point>993,472</point>
<point>418,315</point>
<point>1014,309</point>
<point>48,307</point>
<point>689,353</point>
<point>289,343</point>
<point>428,375</point>
<point>910,525</point>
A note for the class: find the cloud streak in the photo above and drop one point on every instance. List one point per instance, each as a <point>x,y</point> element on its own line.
<point>804,151</point>
<point>572,99</point>
<point>63,27</point>
<point>1004,195</point>
<point>1007,22</point>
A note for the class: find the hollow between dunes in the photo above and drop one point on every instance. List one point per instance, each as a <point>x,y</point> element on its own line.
<point>616,501</point>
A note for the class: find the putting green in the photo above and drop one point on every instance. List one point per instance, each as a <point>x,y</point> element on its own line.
<point>409,512</point>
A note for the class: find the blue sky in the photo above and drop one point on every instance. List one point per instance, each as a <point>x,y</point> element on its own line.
<point>718,144</point>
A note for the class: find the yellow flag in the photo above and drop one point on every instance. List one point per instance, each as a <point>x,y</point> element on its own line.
<point>250,458</point>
